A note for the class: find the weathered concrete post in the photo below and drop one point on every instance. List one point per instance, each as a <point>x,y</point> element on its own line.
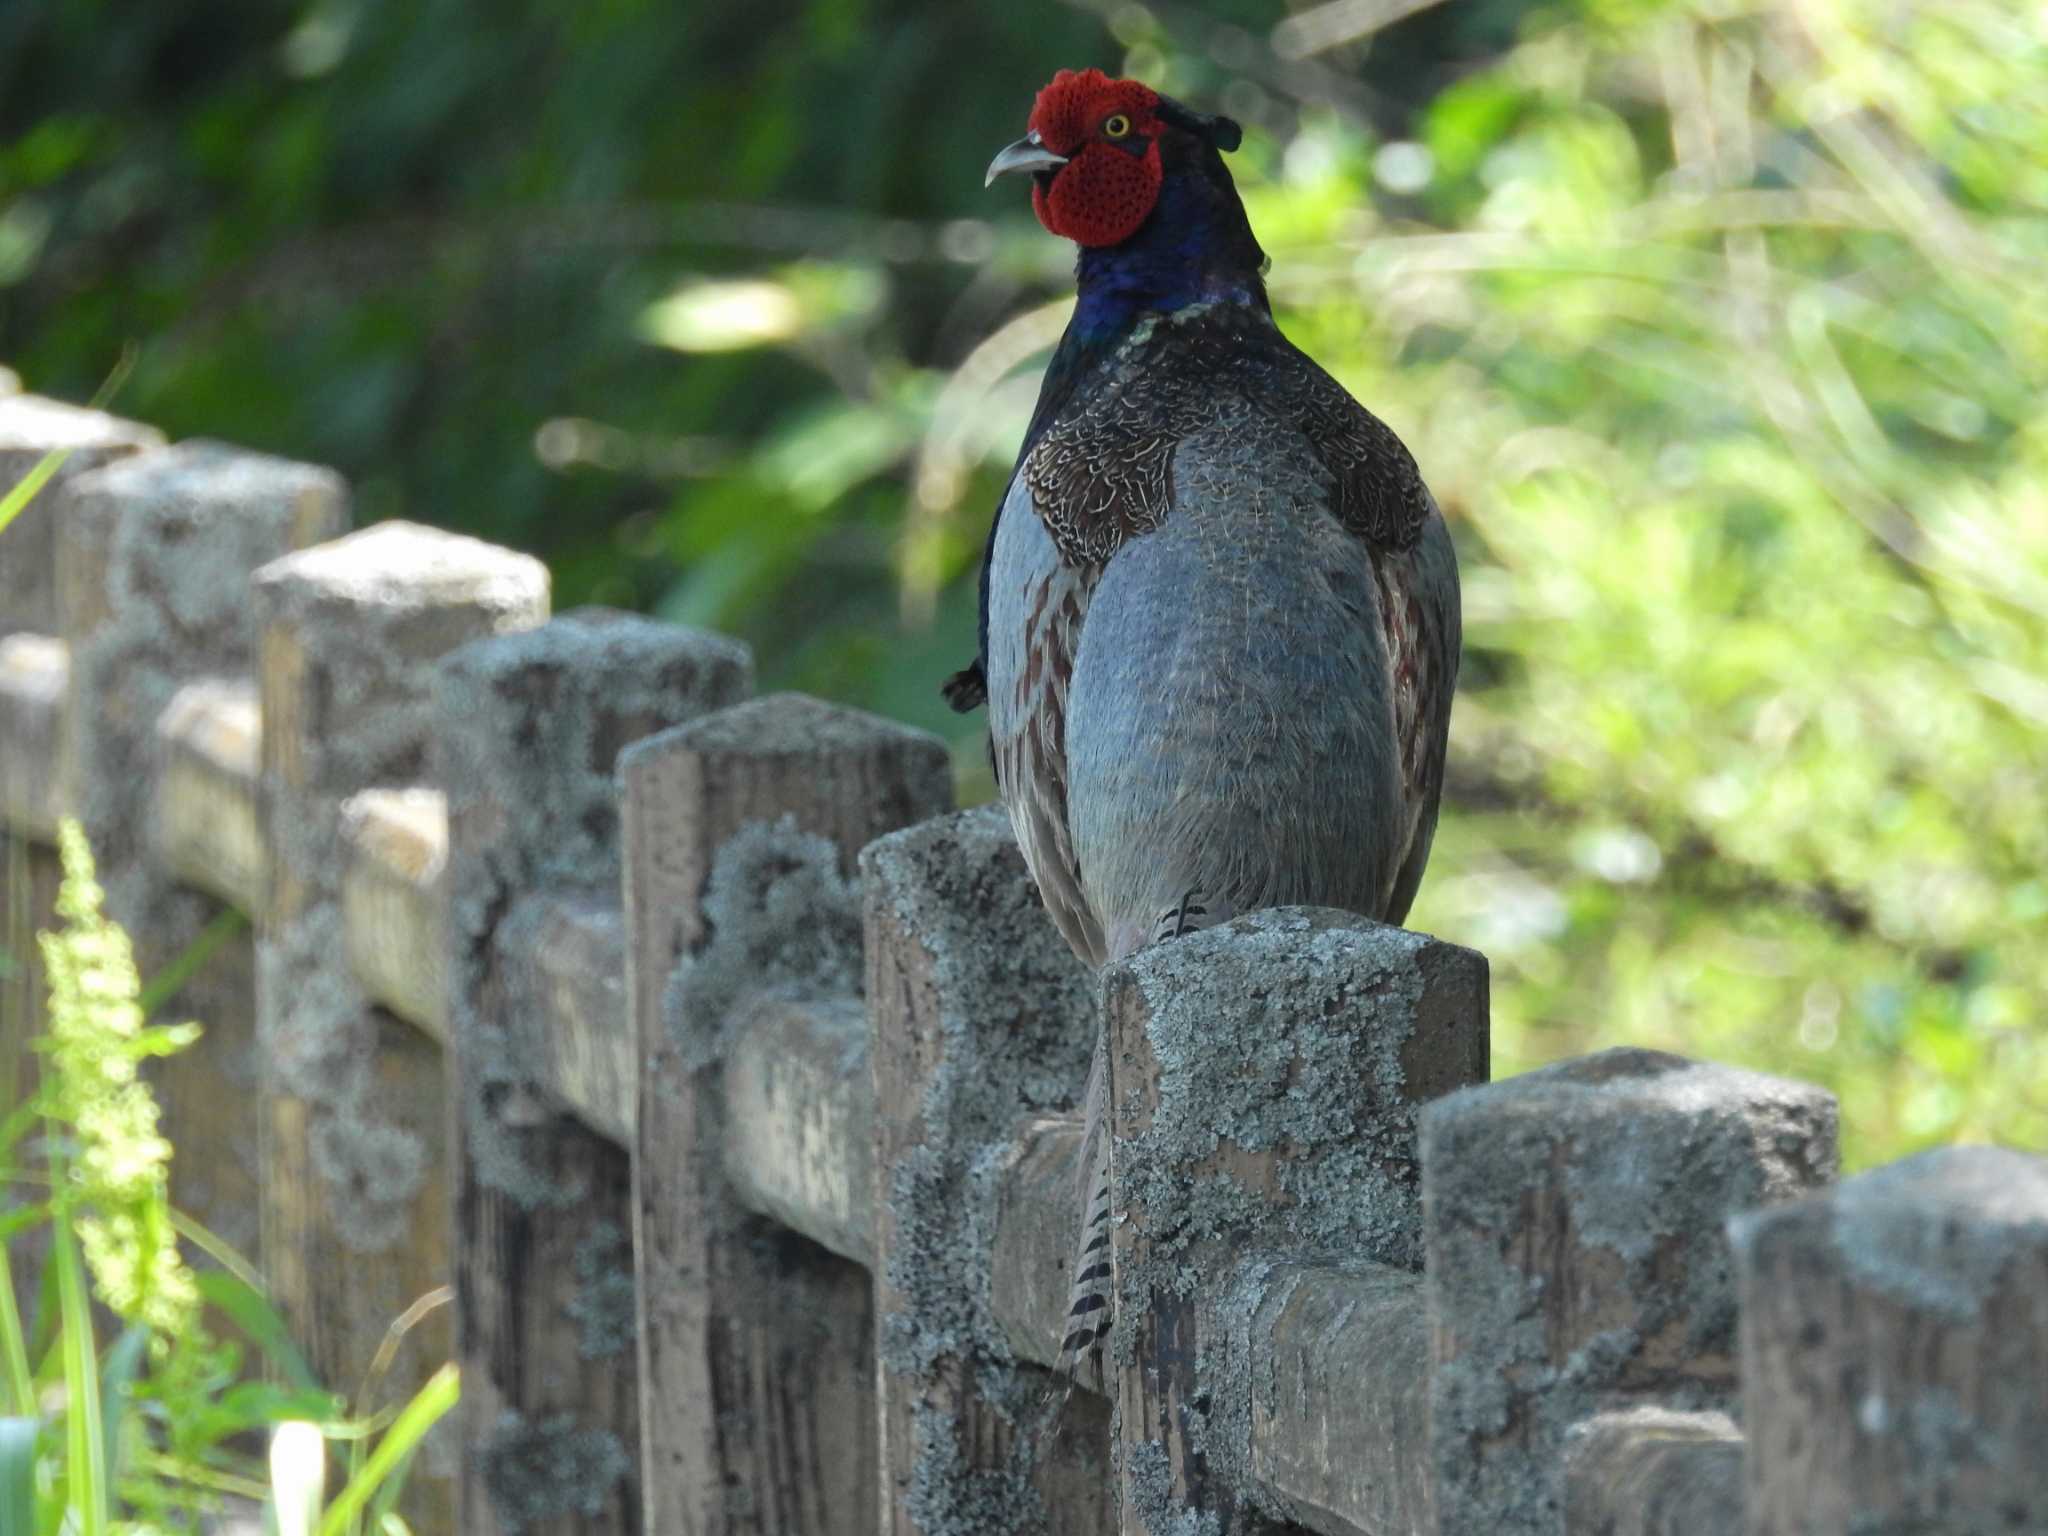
<point>30,428</point>
<point>1653,1471</point>
<point>33,679</point>
<point>528,728</point>
<point>154,558</point>
<point>1895,1350</point>
<point>1265,1079</point>
<point>1576,1259</point>
<point>756,1348</point>
<point>978,1017</point>
<point>355,1208</point>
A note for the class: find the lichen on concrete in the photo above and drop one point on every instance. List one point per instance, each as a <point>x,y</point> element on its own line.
<point>539,1473</point>
<point>603,1305</point>
<point>154,561</point>
<point>532,724</point>
<point>1149,1478</point>
<point>1647,1154</point>
<point>1287,1029</point>
<point>318,1041</point>
<point>1291,1031</point>
<point>1937,1232</point>
<point>783,922</point>
<point>949,1496</point>
<point>1016,1025</point>
<point>358,626</point>
<point>155,556</point>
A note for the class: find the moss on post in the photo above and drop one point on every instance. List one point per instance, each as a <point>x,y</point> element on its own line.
<point>355,1205</point>
<point>1577,1262</point>
<point>756,1345</point>
<point>979,1018</point>
<point>1265,1081</point>
<point>1895,1350</point>
<point>154,557</point>
<point>528,729</point>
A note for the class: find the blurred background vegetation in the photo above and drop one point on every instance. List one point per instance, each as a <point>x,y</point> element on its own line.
<point>1718,327</point>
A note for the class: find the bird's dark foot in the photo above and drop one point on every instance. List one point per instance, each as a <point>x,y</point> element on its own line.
<point>966,689</point>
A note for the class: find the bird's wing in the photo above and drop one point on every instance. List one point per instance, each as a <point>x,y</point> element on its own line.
<point>1038,601</point>
<point>1420,612</point>
<point>1378,495</point>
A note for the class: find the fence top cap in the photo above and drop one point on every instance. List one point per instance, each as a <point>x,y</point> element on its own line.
<point>1934,1232</point>
<point>37,424</point>
<point>795,723</point>
<point>1626,1080</point>
<point>1328,933</point>
<point>1990,1186</point>
<point>1998,1183</point>
<point>598,638</point>
<point>206,470</point>
<point>401,564</point>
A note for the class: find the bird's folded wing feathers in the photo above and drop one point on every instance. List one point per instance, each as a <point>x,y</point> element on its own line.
<point>1027,734</point>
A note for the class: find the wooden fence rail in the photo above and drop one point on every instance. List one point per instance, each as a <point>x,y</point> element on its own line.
<point>728,1078</point>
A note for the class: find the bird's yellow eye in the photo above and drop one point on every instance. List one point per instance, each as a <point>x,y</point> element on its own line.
<point>1116,126</point>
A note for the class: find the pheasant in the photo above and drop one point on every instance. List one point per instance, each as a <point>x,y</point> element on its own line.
<point>1219,608</point>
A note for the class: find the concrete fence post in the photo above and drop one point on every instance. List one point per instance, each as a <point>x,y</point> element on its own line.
<point>154,555</point>
<point>1577,1262</point>
<point>756,1347</point>
<point>32,427</point>
<point>355,1208</point>
<point>1895,1350</point>
<point>528,729</point>
<point>34,676</point>
<point>1265,1080</point>
<point>979,1017</point>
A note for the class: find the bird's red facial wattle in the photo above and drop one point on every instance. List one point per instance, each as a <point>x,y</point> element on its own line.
<point>1107,131</point>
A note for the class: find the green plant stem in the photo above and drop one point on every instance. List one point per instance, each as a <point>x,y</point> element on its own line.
<point>202,1476</point>
<point>442,1391</point>
<point>87,1468</point>
<point>162,987</point>
<point>218,1249</point>
<point>20,1383</point>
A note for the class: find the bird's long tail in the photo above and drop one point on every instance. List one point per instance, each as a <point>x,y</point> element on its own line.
<point>1091,1305</point>
<point>1088,1296</point>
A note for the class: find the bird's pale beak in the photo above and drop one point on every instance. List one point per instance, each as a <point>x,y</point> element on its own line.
<point>1027,154</point>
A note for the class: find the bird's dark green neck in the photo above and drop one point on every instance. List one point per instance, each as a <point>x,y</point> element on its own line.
<point>1196,247</point>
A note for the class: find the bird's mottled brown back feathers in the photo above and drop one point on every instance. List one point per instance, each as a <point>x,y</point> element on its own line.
<point>1102,472</point>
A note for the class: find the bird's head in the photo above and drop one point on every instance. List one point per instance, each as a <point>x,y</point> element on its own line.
<point>1100,150</point>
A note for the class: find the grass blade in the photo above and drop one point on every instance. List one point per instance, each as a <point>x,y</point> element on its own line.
<point>16,500</point>
<point>250,1310</point>
<point>21,1387</point>
<point>18,1475</point>
<point>164,985</point>
<point>442,1391</point>
<point>383,1508</point>
<point>87,1467</point>
<point>117,1383</point>
<point>218,1249</point>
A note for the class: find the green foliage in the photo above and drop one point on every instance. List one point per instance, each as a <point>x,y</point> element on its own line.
<point>1733,373</point>
<point>118,1194</point>
<point>1714,324</point>
<point>146,1435</point>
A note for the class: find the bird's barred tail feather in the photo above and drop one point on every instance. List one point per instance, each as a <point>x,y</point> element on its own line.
<point>1088,1297</point>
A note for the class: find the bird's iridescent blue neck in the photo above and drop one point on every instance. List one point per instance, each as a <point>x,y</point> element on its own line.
<point>1182,254</point>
